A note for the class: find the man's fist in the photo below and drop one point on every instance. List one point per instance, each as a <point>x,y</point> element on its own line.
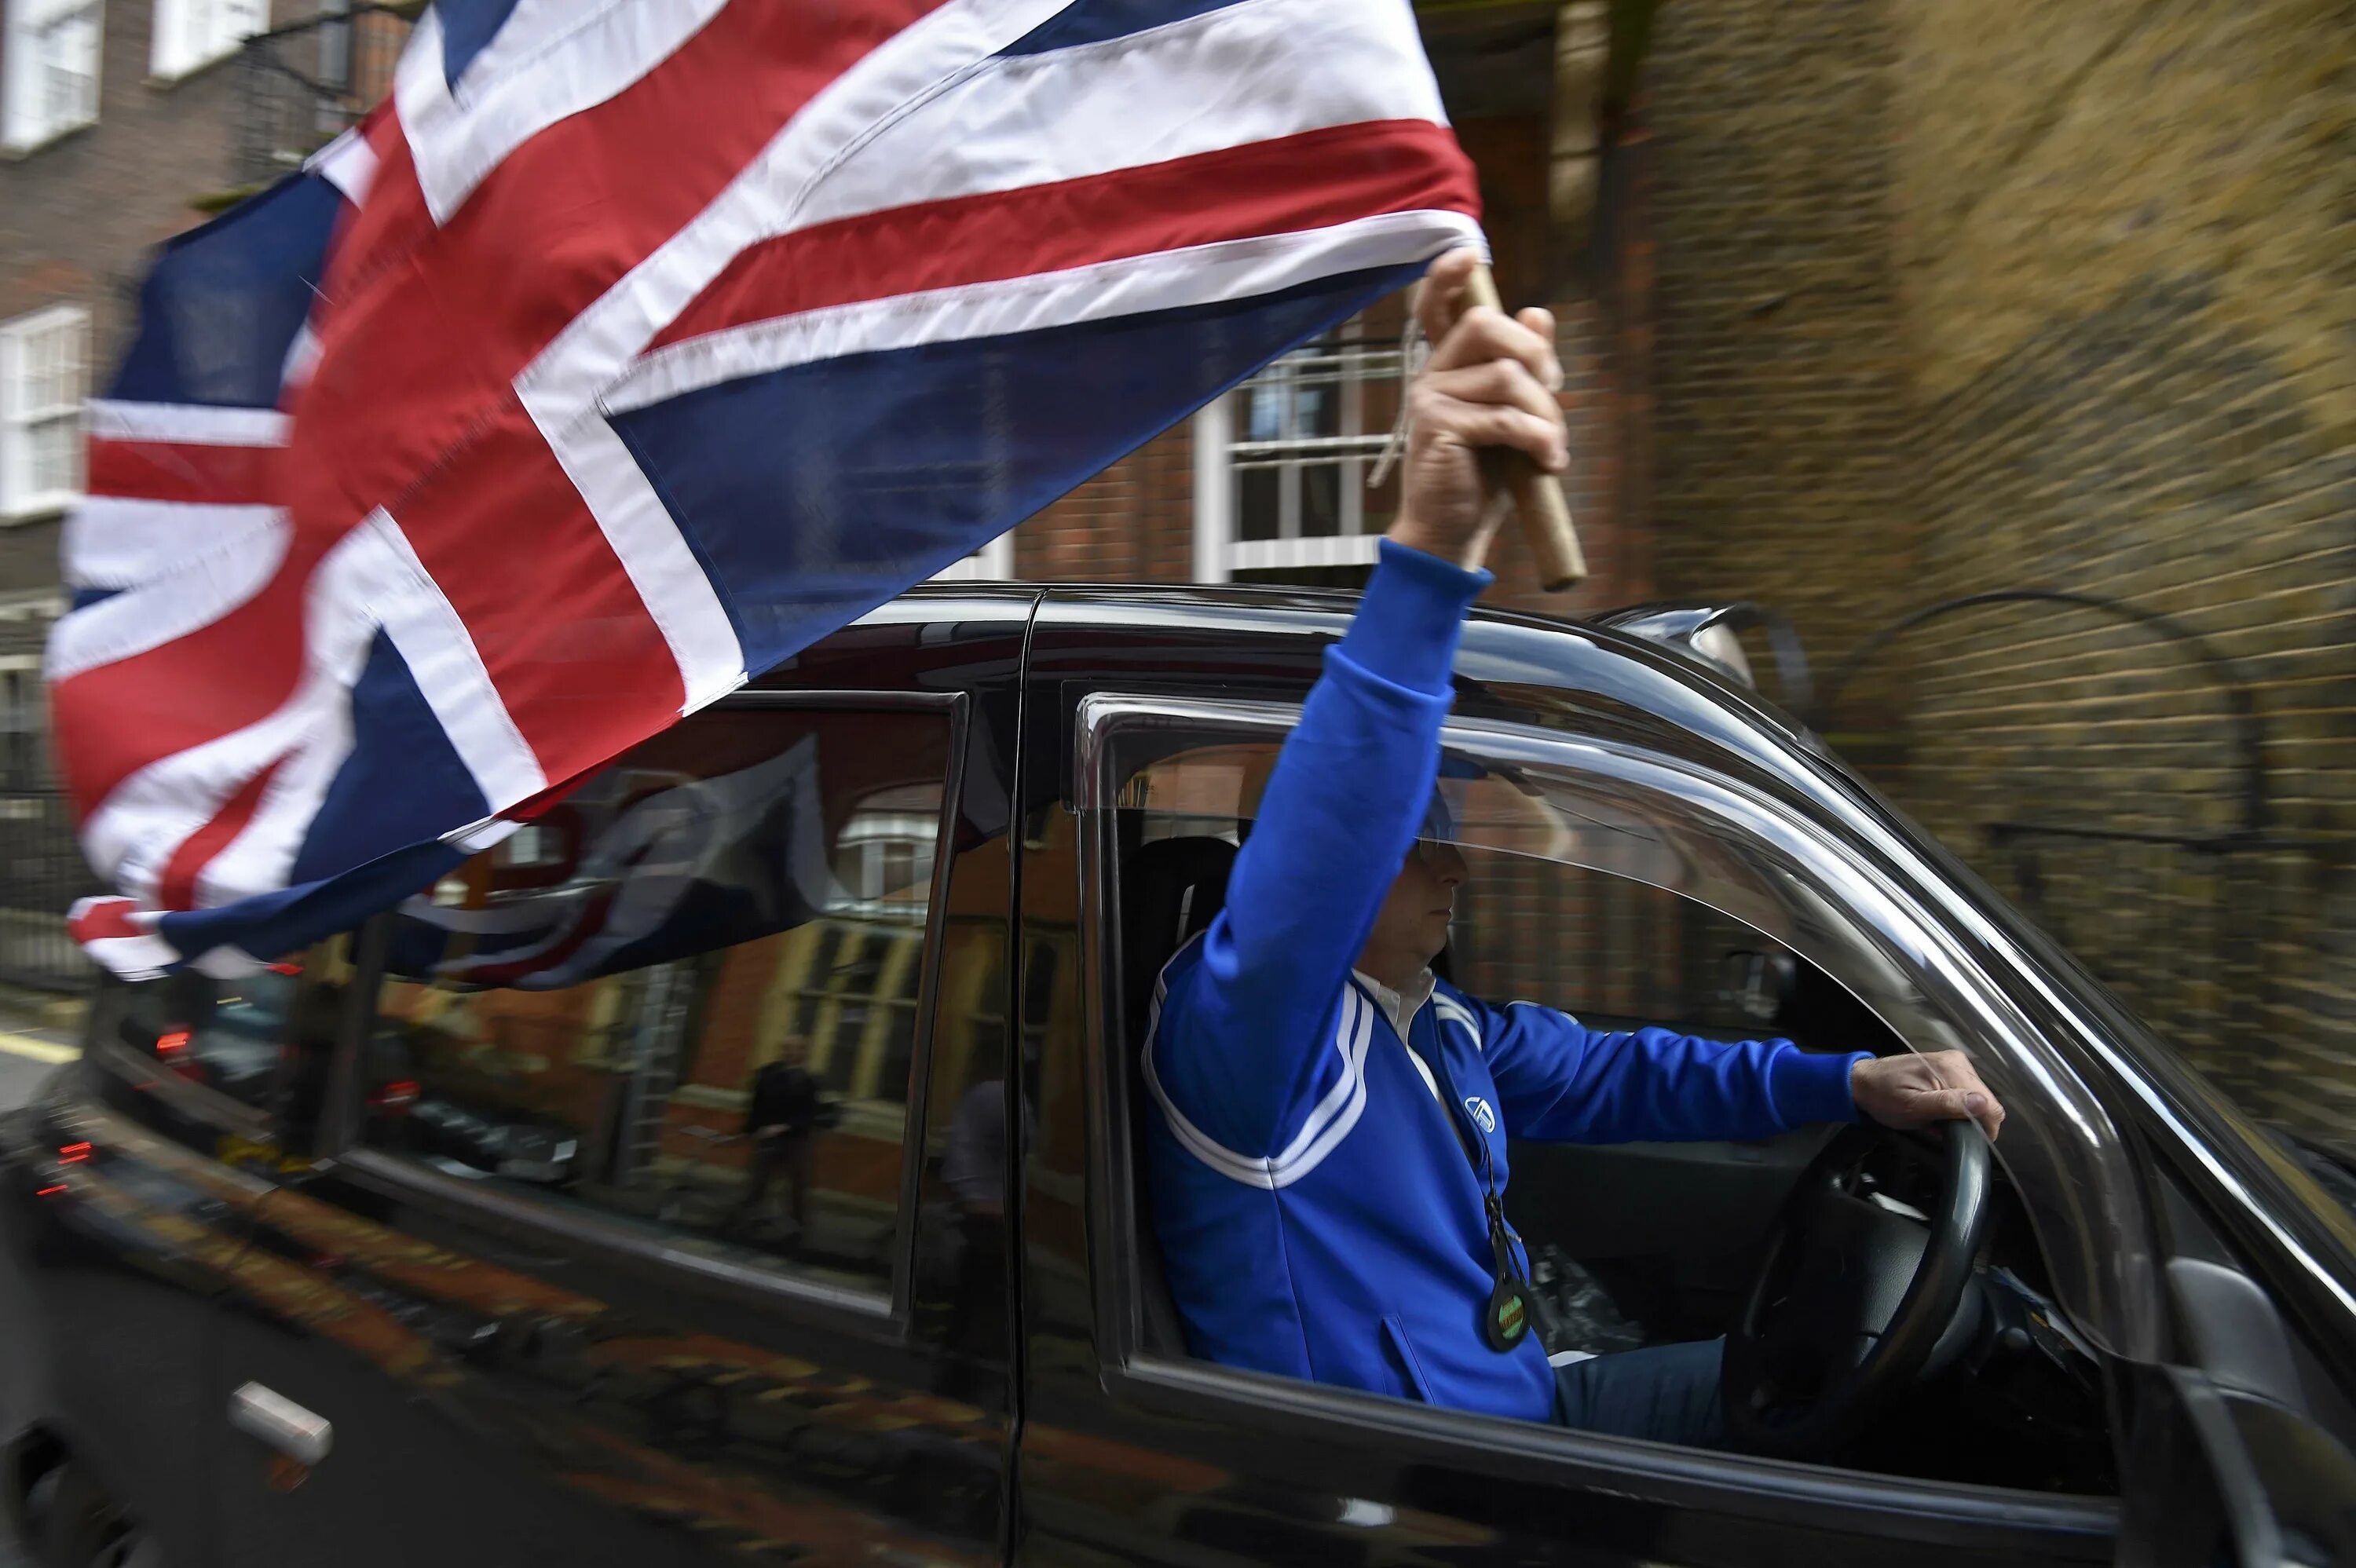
<point>1912,1091</point>
<point>1490,383</point>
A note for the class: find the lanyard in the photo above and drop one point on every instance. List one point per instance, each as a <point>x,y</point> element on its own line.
<point>1505,1320</point>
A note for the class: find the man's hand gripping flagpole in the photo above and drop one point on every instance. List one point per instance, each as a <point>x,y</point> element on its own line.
<point>1485,405</point>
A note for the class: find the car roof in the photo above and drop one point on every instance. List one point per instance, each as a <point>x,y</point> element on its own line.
<point>1230,641</point>
<point>1539,648</point>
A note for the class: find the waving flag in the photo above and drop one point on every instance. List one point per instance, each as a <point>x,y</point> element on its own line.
<point>634,345</point>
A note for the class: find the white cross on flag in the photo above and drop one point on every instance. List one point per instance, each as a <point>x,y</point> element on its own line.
<point>635,344</point>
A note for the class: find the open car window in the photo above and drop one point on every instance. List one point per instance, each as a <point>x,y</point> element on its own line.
<point>1516,794</point>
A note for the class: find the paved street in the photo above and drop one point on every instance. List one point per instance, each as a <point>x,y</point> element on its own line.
<point>27,1056</point>
<point>21,1072</point>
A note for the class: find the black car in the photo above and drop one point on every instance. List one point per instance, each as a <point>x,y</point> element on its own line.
<point>337,1313</point>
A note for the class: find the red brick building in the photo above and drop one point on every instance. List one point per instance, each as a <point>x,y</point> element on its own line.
<point>1864,303</point>
<point>1269,484</point>
<point>121,121</point>
<point>121,116</point>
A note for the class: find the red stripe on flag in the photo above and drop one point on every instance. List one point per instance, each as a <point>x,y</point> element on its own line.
<point>106,920</point>
<point>178,889</point>
<point>581,665</point>
<point>119,718</point>
<point>1291,184</point>
<point>175,471</point>
<point>432,326</point>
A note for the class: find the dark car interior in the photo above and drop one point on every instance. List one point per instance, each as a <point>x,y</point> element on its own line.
<point>1639,1244</point>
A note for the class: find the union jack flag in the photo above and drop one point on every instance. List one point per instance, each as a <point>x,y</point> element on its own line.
<point>635,345</point>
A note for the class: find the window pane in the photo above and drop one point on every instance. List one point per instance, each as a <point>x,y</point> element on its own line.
<point>55,448</point>
<point>703,1025</point>
<point>266,1041</point>
<point>68,54</point>
<point>1320,500</point>
<point>1317,409</point>
<point>65,366</point>
<point>1263,413</point>
<point>1380,504</point>
<point>1260,504</point>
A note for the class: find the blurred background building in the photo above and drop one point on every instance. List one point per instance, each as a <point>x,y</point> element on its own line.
<point>2005,352</point>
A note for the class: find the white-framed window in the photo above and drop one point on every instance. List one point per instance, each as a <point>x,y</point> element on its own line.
<point>44,358</point>
<point>24,719</point>
<point>993,562</point>
<point>1282,462</point>
<point>192,34</point>
<point>336,46</point>
<point>51,84</point>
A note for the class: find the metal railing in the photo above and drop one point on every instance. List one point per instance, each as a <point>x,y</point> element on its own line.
<point>41,873</point>
<point>298,86</point>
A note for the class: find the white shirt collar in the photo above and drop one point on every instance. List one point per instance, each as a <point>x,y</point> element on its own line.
<point>1400,1008</point>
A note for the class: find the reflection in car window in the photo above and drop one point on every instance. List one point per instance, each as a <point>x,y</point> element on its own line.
<point>687,996</point>
<point>263,1039</point>
<point>1534,922</point>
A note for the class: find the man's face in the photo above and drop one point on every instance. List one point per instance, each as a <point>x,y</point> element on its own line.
<point>1422,901</point>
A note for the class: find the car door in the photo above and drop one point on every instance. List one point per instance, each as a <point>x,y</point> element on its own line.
<point>2241,1448</point>
<point>563,1291</point>
<point>2223,1477</point>
<point>1131,1449</point>
<point>129,1183</point>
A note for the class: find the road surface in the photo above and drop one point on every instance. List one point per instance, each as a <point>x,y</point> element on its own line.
<point>27,1056</point>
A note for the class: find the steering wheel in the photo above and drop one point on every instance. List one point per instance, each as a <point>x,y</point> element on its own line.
<point>1856,1289</point>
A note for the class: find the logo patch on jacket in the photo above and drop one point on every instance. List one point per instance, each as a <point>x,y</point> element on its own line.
<point>1482,1117</point>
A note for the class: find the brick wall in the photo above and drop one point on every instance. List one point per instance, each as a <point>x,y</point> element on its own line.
<point>1962,298</point>
<point>78,215</point>
<point>2125,235</point>
<point>1778,371</point>
<point>1135,522</point>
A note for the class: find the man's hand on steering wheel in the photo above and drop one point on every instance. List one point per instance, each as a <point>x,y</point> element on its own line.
<point>1912,1091</point>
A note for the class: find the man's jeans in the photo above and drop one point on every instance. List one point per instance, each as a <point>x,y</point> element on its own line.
<point>1665,1393</point>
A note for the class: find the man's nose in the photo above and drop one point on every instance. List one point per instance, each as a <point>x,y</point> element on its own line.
<point>1447,864</point>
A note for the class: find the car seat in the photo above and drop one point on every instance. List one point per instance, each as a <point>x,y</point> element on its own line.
<point>1170,891</point>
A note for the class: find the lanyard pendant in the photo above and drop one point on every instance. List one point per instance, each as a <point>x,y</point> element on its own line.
<point>1505,1320</point>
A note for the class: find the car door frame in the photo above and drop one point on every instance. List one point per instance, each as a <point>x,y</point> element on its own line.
<point>1773,1493</point>
<point>884,1317</point>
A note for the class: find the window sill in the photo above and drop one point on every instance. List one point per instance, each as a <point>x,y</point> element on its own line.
<point>165,81</point>
<point>1294,555</point>
<point>39,510</point>
<point>16,152</point>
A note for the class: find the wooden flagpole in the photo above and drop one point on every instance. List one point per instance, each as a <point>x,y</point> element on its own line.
<point>1537,495</point>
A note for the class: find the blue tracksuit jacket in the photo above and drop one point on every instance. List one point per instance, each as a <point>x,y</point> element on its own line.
<point>1317,1212</point>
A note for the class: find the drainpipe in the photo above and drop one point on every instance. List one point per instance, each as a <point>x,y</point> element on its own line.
<point>1582,51</point>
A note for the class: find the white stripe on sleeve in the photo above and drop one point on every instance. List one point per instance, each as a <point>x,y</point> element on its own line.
<point>1329,1121</point>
